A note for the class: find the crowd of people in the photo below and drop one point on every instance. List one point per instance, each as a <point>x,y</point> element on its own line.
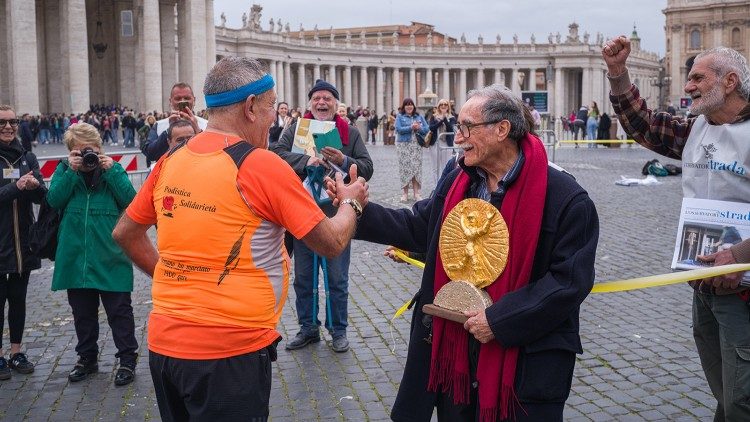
<point>221,262</point>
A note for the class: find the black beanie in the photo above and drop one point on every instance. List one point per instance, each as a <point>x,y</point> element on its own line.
<point>321,85</point>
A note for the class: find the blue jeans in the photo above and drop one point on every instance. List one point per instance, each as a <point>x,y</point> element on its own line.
<point>116,135</point>
<point>591,128</point>
<point>129,136</point>
<point>721,328</point>
<point>44,136</point>
<point>338,286</point>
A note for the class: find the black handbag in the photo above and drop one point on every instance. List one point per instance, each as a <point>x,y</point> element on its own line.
<point>420,140</point>
<point>43,232</point>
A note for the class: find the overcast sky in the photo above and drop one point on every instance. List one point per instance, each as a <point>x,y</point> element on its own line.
<point>472,17</point>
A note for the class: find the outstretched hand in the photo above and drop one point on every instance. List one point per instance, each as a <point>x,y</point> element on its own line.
<point>356,189</point>
<point>615,53</point>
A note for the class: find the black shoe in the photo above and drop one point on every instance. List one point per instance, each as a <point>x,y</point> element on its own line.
<point>125,375</point>
<point>301,340</point>
<point>22,365</point>
<point>5,373</point>
<point>340,344</point>
<point>82,370</point>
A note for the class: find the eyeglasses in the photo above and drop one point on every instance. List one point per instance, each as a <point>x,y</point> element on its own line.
<point>183,139</point>
<point>465,128</point>
<point>12,122</point>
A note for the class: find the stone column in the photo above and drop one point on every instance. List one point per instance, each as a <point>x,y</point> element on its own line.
<point>74,54</point>
<point>480,78</point>
<point>445,90</point>
<point>150,51</point>
<point>388,91</point>
<point>597,90</point>
<point>301,85</point>
<point>192,46</point>
<point>272,72</point>
<point>532,79</point>
<point>371,88</point>
<point>461,88</point>
<point>348,86</point>
<point>379,91</point>
<point>210,38</point>
<point>559,94</point>
<point>288,83</point>
<point>363,86</point>
<point>169,67</point>
<point>21,50</point>
<point>396,85</point>
<point>316,73</point>
<point>675,67</point>
<point>4,59</point>
<point>514,87</point>
<point>413,84</point>
<point>586,86</point>
<point>335,79</point>
<point>498,77</point>
<point>428,80</point>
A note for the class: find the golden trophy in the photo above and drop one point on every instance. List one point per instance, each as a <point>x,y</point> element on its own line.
<point>474,249</point>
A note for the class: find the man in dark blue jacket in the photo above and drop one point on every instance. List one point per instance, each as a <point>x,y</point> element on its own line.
<point>516,357</point>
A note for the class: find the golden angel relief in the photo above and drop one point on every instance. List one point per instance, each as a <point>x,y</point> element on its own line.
<point>474,243</point>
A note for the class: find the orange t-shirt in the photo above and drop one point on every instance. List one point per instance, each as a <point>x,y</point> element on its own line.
<point>222,277</point>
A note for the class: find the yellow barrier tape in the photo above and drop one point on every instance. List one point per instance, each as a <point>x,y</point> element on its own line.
<point>620,285</point>
<point>602,141</point>
<point>667,279</point>
<point>404,257</point>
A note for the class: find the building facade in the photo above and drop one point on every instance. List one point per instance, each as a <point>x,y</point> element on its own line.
<point>696,25</point>
<point>64,55</point>
<point>377,67</point>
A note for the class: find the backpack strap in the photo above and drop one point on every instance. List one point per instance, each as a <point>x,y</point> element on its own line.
<point>173,150</point>
<point>239,151</point>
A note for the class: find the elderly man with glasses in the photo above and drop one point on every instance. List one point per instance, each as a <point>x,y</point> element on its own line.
<point>514,359</point>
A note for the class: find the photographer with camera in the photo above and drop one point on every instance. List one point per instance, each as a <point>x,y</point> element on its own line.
<point>181,102</point>
<point>91,190</point>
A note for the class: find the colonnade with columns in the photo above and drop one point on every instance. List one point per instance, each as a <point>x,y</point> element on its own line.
<point>382,87</point>
<point>51,64</point>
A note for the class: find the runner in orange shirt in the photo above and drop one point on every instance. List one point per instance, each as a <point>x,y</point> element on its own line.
<point>220,272</point>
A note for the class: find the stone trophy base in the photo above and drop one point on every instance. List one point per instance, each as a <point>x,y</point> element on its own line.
<point>456,297</point>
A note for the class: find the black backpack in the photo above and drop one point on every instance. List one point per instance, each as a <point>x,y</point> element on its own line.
<point>43,233</point>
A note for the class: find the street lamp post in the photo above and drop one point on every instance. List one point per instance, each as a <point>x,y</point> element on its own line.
<point>662,82</point>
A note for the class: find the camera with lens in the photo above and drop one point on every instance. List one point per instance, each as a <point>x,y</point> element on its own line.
<point>90,158</point>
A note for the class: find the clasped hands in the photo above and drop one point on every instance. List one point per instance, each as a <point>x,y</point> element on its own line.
<point>357,188</point>
<point>27,182</point>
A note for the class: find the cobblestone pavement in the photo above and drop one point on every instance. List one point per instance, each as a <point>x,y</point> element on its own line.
<point>639,361</point>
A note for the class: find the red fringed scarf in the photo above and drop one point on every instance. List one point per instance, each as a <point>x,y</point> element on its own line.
<point>522,210</point>
<point>341,125</point>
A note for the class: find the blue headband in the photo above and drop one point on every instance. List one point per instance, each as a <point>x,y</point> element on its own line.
<point>241,93</point>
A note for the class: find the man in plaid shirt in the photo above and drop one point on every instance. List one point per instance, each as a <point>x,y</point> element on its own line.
<point>714,146</point>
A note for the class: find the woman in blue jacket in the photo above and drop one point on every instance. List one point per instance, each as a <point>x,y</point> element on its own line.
<point>408,124</point>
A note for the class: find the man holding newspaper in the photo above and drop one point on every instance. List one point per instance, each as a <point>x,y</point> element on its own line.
<point>715,152</point>
<point>344,148</point>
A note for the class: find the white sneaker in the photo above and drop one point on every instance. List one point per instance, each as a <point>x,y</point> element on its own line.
<point>114,143</point>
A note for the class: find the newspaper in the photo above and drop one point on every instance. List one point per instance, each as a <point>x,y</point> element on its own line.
<point>304,143</point>
<point>707,227</point>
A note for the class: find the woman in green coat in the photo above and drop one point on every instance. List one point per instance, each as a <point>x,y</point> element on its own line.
<point>91,191</point>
